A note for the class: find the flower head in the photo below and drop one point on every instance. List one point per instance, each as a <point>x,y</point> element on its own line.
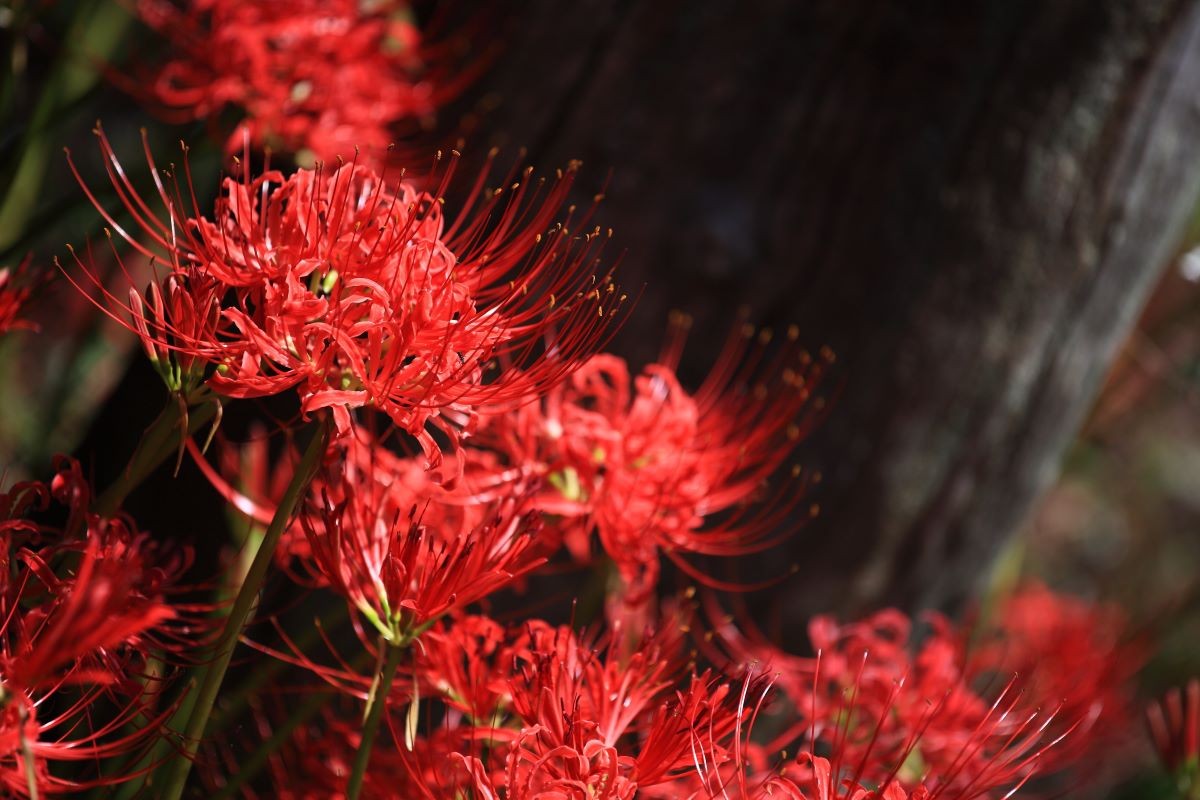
<point>404,566</point>
<point>83,607</point>
<point>1066,651</point>
<point>314,78</point>
<point>1174,723</point>
<point>878,706</point>
<point>355,290</point>
<point>654,469</point>
<point>468,661</point>
<point>16,287</point>
<point>594,723</point>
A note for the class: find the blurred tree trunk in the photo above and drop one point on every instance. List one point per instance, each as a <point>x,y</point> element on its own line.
<point>967,201</point>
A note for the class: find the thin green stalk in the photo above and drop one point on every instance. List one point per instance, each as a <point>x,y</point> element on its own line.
<point>162,749</point>
<point>249,769</point>
<point>236,701</point>
<point>375,708</point>
<point>206,696</point>
<point>160,441</point>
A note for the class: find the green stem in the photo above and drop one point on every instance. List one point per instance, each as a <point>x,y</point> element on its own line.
<point>248,769</point>
<point>160,441</point>
<point>375,708</point>
<point>214,675</point>
<point>236,701</point>
<point>233,702</point>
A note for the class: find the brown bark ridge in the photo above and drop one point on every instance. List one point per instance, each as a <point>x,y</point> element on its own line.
<point>967,201</point>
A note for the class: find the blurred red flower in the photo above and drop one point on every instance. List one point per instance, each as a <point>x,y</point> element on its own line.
<point>1041,688</point>
<point>315,78</point>
<point>16,287</point>
<point>1174,723</point>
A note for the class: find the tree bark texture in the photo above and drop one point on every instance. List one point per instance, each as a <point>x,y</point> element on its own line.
<point>967,201</point>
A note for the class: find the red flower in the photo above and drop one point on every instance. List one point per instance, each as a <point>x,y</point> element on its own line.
<point>598,723</point>
<point>883,709</point>
<point>1174,723</point>
<point>400,568</point>
<point>355,290</point>
<point>16,287</point>
<point>315,78</point>
<point>654,469</point>
<point>115,592</point>
<point>83,607</point>
<point>1068,653</point>
<point>468,662</point>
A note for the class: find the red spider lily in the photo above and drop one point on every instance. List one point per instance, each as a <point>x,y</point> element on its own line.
<point>652,468</point>
<point>468,661</point>
<point>82,609</point>
<point>16,287</point>
<point>594,723</point>
<point>604,685</point>
<point>997,759</point>
<point>812,777</point>
<point>355,291</point>
<point>315,78</point>
<point>1067,652</point>
<point>558,757</point>
<point>1174,723</point>
<point>395,485</point>
<point>401,569</point>
<point>90,613</point>
<point>114,593</point>
<point>886,710</point>
<point>316,760</point>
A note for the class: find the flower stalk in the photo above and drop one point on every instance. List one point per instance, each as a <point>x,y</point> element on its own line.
<point>239,615</point>
<point>160,441</point>
<point>376,705</point>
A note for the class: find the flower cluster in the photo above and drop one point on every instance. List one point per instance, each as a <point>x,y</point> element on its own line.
<point>315,78</point>
<point>89,624</point>
<point>467,433</point>
<point>956,712</point>
<point>439,448</point>
<point>652,469</point>
<point>355,290</point>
